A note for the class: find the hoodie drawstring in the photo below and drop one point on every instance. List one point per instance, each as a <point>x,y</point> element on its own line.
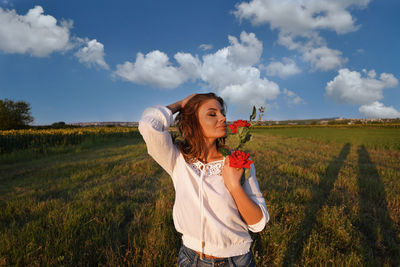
<point>203,174</point>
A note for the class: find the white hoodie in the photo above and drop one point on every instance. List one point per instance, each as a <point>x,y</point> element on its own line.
<point>204,210</point>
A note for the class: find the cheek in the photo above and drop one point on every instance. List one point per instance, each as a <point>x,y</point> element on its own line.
<point>208,126</point>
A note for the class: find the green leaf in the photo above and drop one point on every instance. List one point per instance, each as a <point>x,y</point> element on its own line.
<point>253,115</point>
<point>224,151</point>
<point>243,132</point>
<point>242,179</point>
<point>235,142</point>
<point>249,137</point>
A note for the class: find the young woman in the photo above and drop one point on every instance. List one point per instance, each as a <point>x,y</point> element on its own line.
<point>212,210</point>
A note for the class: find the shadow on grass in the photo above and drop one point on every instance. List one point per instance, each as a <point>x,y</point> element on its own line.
<point>319,197</point>
<point>378,235</point>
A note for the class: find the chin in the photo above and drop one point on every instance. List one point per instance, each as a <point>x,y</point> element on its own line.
<point>223,135</point>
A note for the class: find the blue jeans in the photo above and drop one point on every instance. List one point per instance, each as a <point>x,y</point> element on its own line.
<point>188,257</point>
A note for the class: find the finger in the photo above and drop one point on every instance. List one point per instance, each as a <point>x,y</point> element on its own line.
<point>226,161</point>
<point>188,98</point>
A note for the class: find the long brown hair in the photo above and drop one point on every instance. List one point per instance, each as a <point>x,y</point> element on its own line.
<point>191,140</point>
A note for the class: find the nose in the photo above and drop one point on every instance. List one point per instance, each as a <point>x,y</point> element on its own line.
<point>222,118</point>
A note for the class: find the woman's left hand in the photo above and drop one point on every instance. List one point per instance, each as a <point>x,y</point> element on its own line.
<point>231,175</point>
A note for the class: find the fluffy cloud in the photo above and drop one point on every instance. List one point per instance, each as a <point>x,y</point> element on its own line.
<point>230,71</point>
<point>291,97</point>
<point>378,110</point>
<point>301,17</point>
<point>250,92</point>
<point>189,65</point>
<point>352,88</point>
<point>314,51</point>
<point>34,33</point>
<point>247,52</point>
<point>283,69</point>
<point>323,58</point>
<point>299,22</point>
<point>153,69</point>
<point>92,54</point>
<point>40,35</point>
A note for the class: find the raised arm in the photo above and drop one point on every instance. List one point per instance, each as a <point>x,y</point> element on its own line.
<point>153,126</point>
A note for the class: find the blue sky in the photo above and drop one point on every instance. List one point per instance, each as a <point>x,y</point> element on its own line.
<point>84,61</point>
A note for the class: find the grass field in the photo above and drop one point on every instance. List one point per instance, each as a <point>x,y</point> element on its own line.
<point>333,197</point>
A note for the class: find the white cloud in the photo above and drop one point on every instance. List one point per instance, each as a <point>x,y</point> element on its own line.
<point>298,24</point>
<point>371,74</point>
<point>34,33</point>
<point>314,50</point>
<point>301,17</point>
<point>251,92</point>
<point>389,80</point>
<point>283,69</point>
<point>92,54</point>
<point>351,88</point>
<point>153,69</point>
<point>205,47</point>
<point>288,92</point>
<point>190,65</point>
<point>324,58</point>
<point>230,71</point>
<point>378,110</point>
<point>247,52</point>
<point>292,98</point>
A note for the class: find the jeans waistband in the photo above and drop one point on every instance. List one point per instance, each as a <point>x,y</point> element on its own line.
<point>193,256</point>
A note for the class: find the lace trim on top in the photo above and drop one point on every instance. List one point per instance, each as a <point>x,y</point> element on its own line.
<point>214,168</point>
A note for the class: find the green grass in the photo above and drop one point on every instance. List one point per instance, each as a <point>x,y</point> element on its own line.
<point>333,200</point>
<point>382,137</point>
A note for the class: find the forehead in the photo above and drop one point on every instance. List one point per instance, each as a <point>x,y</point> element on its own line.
<point>210,104</point>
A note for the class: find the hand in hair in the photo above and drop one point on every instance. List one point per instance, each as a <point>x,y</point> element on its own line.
<point>175,107</point>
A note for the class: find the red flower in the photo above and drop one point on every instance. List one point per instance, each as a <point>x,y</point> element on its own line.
<point>239,159</point>
<point>233,128</point>
<point>241,123</point>
<point>238,123</point>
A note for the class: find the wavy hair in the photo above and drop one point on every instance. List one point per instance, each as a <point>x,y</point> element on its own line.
<point>191,140</point>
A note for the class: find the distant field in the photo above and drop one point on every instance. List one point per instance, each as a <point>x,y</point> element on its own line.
<point>333,196</point>
<point>379,138</point>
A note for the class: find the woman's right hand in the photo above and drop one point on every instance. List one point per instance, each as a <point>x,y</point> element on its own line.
<point>184,101</point>
<point>175,107</point>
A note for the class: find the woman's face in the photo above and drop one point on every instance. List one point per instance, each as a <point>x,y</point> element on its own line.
<point>212,119</point>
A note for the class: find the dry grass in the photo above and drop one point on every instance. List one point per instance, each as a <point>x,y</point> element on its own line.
<point>332,202</point>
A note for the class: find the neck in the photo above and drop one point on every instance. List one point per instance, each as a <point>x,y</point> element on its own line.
<point>211,151</point>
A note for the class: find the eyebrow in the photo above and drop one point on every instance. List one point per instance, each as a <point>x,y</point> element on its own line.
<point>222,110</point>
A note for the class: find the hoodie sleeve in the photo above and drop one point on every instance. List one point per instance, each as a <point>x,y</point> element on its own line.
<point>153,126</point>
<point>253,191</point>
